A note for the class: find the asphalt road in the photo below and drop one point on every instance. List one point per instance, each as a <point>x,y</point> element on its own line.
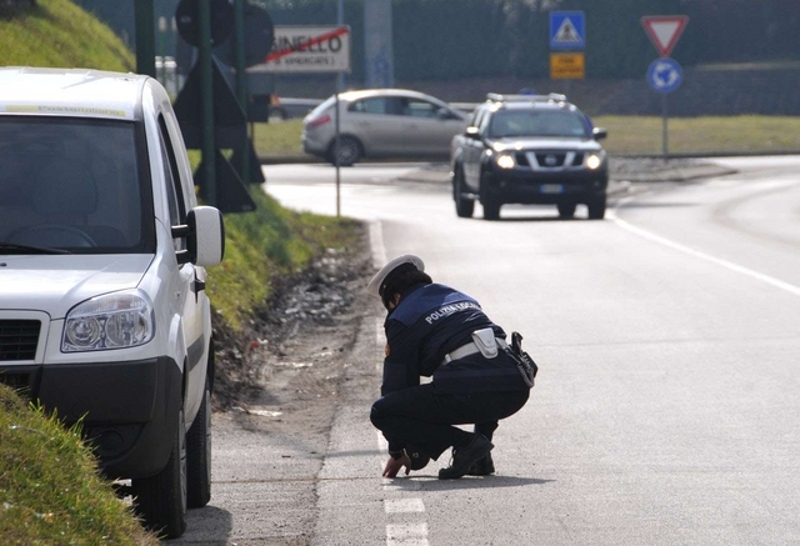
<point>666,407</point>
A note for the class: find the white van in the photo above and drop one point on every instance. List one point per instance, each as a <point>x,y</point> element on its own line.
<point>103,312</point>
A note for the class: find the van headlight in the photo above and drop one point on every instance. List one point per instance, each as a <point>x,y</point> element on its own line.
<point>111,321</point>
<point>594,161</point>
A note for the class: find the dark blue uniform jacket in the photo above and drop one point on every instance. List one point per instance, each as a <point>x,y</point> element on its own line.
<point>430,321</point>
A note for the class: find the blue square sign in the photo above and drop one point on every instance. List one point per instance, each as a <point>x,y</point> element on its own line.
<point>567,30</point>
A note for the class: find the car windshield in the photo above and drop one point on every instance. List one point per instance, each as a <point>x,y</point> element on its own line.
<point>538,123</point>
<point>71,184</point>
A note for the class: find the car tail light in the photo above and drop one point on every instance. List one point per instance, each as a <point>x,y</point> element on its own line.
<point>322,120</point>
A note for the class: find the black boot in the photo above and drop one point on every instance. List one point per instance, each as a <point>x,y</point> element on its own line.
<point>463,457</point>
<point>482,467</point>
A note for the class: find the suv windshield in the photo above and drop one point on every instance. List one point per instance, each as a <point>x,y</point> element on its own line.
<point>71,184</point>
<point>538,123</point>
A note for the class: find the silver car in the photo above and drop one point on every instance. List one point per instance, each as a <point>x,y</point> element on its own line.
<point>382,123</point>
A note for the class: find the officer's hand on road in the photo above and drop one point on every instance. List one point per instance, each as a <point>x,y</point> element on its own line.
<point>393,466</point>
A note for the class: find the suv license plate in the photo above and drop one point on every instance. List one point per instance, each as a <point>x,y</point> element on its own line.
<point>551,188</point>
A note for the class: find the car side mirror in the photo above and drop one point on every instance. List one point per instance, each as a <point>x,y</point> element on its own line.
<point>599,133</point>
<point>205,237</point>
<point>472,132</point>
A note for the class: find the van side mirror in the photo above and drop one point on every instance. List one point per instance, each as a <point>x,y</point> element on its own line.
<point>205,237</point>
<point>599,133</point>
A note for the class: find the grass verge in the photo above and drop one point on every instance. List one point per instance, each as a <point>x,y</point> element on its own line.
<point>627,135</point>
<point>57,33</point>
<point>265,244</point>
<point>50,490</point>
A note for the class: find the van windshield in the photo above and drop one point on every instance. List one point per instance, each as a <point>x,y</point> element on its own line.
<point>72,184</point>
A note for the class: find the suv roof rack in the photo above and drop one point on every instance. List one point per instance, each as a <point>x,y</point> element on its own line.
<point>497,97</point>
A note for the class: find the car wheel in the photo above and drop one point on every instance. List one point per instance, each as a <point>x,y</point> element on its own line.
<point>597,208</point>
<point>465,207</point>
<point>198,454</point>
<point>566,210</point>
<point>160,500</point>
<point>348,151</point>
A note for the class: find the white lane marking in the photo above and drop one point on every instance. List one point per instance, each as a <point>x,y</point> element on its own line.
<point>407,534</point>
<point>772,281</point>
<point>400,506</point>
<point>397,534</point>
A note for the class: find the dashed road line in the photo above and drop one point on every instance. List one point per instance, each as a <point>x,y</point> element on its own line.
<point>407,534</point>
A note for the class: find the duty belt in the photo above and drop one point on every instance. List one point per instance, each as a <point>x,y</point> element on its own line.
<point>469,349</point>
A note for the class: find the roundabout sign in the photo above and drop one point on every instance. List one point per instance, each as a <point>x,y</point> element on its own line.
<point>664,75</point>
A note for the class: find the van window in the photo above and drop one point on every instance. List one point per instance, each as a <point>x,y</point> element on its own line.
<point>79,185</point>
<point>177,210</point>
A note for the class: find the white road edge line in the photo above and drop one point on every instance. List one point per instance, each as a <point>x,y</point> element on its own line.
<point>772,281</point>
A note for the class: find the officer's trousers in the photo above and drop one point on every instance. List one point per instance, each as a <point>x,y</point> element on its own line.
<point>423,418</point>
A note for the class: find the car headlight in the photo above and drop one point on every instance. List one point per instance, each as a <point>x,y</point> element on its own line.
<point>505,161</point>
<point>594,161</point>
<point>111,321</point>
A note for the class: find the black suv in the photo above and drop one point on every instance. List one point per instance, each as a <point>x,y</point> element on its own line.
<point>529,149</point>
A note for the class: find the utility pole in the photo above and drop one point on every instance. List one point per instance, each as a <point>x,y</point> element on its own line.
<point>145,37</point>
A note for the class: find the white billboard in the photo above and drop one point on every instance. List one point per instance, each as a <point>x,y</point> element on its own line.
<point>308,49</point>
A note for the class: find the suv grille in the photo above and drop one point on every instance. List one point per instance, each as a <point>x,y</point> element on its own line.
<point>550,160</point>
<point>18,339</point>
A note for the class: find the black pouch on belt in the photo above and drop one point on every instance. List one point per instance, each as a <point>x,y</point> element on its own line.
<point>527,367</point>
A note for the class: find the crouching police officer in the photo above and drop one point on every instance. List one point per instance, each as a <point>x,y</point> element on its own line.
<point>434,330</point>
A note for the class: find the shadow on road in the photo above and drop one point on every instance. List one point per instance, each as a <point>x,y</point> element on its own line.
<point>432,483</point>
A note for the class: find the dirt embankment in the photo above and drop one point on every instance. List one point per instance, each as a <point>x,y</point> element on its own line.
<point>289,357</point>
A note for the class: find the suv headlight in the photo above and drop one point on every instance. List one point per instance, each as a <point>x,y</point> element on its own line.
<point>595,160</point>
<point>505,161</point>
<point>111,321</point>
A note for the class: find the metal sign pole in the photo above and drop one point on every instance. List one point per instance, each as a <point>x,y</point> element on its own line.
<point>665,121</point>
<point>207,102</point>
<point>336,158</point>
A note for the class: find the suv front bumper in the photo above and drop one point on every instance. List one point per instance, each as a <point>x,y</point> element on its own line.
<point>546,188</point>
<point>129,409</point>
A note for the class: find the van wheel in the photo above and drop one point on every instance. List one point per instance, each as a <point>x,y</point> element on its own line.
<point>198,454</point>
<point>160,500</point>
<point>348,151</point>
<point>566,210</point>
<point>465,207</point>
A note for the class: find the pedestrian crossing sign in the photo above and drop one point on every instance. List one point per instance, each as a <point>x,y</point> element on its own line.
<point>567,30</point>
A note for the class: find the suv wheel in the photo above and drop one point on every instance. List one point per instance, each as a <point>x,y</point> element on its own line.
<point>161,499</point>
<point>566,210</point>
<point>597,208</point>
<point>465,207</point>
<point>348,151</point>
<point>491,210</point>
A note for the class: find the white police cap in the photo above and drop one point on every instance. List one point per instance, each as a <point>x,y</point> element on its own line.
<point>376,281</point>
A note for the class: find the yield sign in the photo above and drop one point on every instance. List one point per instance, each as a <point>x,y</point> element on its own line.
<point>664,31</point>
